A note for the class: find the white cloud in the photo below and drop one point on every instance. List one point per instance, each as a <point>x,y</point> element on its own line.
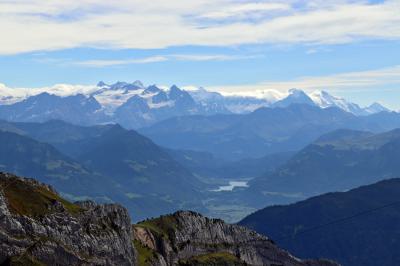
<point>246,9</point>
<point>105,63</point>
<point>159,58</point>
<point>34,25</point>
<point>355,81</point>
<point>11,95</point>
<point>212,57</point>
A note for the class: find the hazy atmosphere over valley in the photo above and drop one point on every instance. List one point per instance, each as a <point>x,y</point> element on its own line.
<point>202,132</point>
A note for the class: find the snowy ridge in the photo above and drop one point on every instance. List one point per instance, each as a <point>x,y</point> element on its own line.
<point>324,100</point>
<point>227,103</point>
<point>136,105</point>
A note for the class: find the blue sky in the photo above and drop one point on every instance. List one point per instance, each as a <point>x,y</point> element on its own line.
<point>350,48</point>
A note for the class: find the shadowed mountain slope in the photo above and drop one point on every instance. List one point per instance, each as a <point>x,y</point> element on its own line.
<point>358,227</point>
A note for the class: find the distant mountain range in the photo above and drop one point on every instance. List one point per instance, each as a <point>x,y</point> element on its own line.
<point>134,105</point>
<point>204,164</point>
<point>112,164</point>
<point>25,156</point>
<point>338,161</point>
<point>105,163</point>
<point>166,175</point>
<point>264,131</point>
<point>358,227</point>
<point>185,138</point>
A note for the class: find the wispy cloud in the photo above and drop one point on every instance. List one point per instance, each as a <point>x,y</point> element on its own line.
<point>356,81</point>
<point>245,10</point>
<point>160,58</point>
<point>105,63</point>
<point>212,57</point>
<point>34,25</point>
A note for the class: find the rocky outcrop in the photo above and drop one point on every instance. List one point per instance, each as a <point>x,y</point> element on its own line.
<point>187,238</point>
<point>37,227</point>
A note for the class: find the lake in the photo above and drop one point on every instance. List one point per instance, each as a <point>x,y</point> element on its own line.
<point>232,185</point>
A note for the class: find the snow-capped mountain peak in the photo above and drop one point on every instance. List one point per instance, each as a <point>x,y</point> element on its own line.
<point>376,108</point>
<point>324,100</point>
<point>151,90</point>
<point>215,102</point>
<point>101,84</point>
<point>297,93</point>
<point>138,84</point>
<point>121,85</point>
<point>295,96</point>
<point>201,94</point>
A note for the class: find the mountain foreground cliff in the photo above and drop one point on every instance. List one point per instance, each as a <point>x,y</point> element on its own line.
<point>38,227</point>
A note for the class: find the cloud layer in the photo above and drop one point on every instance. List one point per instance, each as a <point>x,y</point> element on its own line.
<point>35,25</point>
<point>355,81</point>
<point>159,58</point>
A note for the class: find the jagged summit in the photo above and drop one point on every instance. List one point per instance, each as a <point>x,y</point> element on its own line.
<point>44,229</point>
<point>152,89</point>
<point>188,238</point>
<point>101,84</point>
<point>138,83</point>
<point>324,99</point>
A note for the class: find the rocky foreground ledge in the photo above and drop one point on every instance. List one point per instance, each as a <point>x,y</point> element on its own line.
<point>38,227</point>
